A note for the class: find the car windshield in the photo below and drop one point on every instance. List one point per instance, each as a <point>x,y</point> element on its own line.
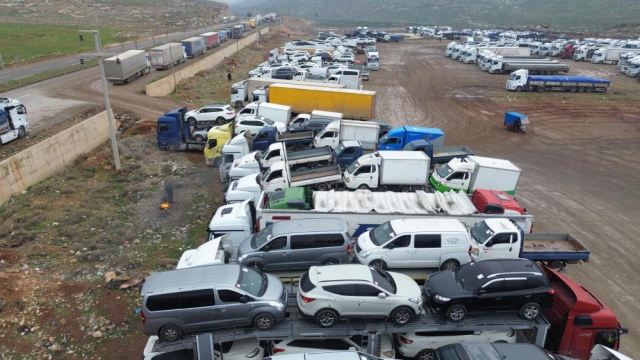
<point>252,282</point>
<point>383,279</point>
<point>480,232</point>
<point>260,238</point>
<point>444,171</point>
<point>469,277</point>
<point>382,234</point>
<point>268,121</point>
<point>447,353</point>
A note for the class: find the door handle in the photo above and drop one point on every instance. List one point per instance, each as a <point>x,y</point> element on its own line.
<point>511,248</point>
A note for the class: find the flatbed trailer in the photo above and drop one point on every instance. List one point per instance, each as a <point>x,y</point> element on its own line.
<point>555,250</point>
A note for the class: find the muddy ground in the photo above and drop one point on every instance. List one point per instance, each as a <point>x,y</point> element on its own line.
<point>579,160</point>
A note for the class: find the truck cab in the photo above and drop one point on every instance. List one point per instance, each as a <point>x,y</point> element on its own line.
<point>13,120</point>
<point>517,80</point>
<point>455,175</point>
<point>217,137</point>
<point>246,165</point>
<point>233,150</point>
<point>239,94</point>
<point>398,137</point>
<point>246,188</point>
<point>347,152</point>
<point>236,221</point>
<point>496,238</point>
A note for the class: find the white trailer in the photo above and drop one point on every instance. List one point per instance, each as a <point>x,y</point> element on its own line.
<point>126,67</point>
<point>274,112</point>
<point>166,56</point>
<point>338,131</point>
<point>349,82</point>
<point>389,170</point>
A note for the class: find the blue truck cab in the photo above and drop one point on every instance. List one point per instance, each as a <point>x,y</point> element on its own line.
<point>269,135</point>
<point>347,152</point>
<point>175,134</point>
<point>222,34</point>
<point>397,138</point>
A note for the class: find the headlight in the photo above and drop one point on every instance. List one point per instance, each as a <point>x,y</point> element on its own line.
<point>365,254</point>
<point>242,257</point>
<point>416,300</point>
<point>475,252</point>
<point>442,298</point>
<point>253,353</point>
<point>277,304</point>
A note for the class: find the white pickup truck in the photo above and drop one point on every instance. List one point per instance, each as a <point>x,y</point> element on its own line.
<point>279,176</point>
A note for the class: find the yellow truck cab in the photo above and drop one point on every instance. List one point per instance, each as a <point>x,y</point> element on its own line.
<point>216,138</point>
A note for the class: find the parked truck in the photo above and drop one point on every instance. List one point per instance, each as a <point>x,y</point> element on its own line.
<point>175,134</point>
<point>126,67</point>
<point>353,104</point>
<point>306,158</point>
<point>194,46</point>
<point>217,137</point>
<point>349,82</point>
<point>388,170</point>
<point>475,172</point>
<point>274,112</point>
<point>269,135</point>
<point>520,80</point>
<point>397,138</point>
<point>567,51</point>
<point>212,39</point>
<point>243,91</point>
<point>252,23</point>
<point>237,31</point>
<point>279,177</point>
<point>13,120</point>
<point>223,35</point>
<point>440,155</point>
<point>503,67</point>
<point>471,54</point>
<point>234,149</point>
<point>166,56</point>
<point>345,130</point>
<point>610,55</point>
<point>583,53</point>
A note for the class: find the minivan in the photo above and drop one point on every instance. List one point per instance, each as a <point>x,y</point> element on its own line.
<point>415,243</point>
<point>348,72</point>
<point>296,244</point>
<point>202,298</point>
<point>283,72</point>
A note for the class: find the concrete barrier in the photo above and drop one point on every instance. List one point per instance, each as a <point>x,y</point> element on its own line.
<point>166,85</point>
<point>42,160</point>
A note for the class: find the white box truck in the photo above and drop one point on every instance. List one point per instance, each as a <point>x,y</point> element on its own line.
<point>475,172</point>
<point>344,130</point>
<point>389,170</point>
<point>275,112</point>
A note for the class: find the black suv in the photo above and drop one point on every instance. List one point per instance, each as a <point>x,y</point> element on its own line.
<point>315,125</point>
<point>500,284</point>
<point>283,72</point>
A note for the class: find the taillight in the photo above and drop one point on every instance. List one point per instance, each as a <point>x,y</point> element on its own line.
<point>306,299</point>
<point>142,317</point>
<point>277,350</point>
<point>229,113</point>
<point>552,291</point>
<point>405,340</point>
<point>349,249</point>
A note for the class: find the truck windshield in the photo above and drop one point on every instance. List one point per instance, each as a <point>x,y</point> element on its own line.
<point>512,76</point>
<point>444,171</point>
<point>352,167</point>
<point>382,234</point>
<point>384,139</point>
<point>339,149</point>
<point>480,232</point>
<point>260,238</point>
<point>252,282</point>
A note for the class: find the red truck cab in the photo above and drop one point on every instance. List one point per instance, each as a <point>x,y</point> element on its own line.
<point>496,202</point>
<point>579,321</point>
<point>567,52</point>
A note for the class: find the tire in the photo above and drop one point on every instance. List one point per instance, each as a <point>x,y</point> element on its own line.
<point>326,318</point>
<point>216,162</point>
<point>192,121</point>
<point>171,147</point>
<point>556,265</point>
<point>519,89</point>
<point>263,322</point>
<point>450,264</point>
<point>456,312</point>
<point>425,355</point>
<point>256,266</point>
<point>298,147</point>
<point>401,315</point>
<point>363,187</point>
<point>530,311</point>
<point>380,264</point>
<point>589,89</point>
<point>22,132</point>
<point>323,187</point>
<point>220,120</point>
<point>198,138</point>
<point>406,188</point>
<point>330,262</point>
<point>170,333</point>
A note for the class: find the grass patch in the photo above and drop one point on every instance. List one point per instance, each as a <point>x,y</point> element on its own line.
<point>45,75</point>
<point>24,42</point>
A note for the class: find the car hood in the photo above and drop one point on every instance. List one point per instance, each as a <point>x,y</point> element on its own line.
<point>406,286</point>
<point>444,283</point>
<point>245,247</point>
<point>365,243</point>
<point>275,289</point>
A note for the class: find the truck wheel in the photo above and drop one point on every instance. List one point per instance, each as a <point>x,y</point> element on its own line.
<point>556,265</point>
<point>574,89</point>
<point>22,132</point>
<point>450,264</point>
<point>380,264</point>
<point>198,138</point>
<point>192,121</point>
<point>406,188</point>
<point>363,187</point>
<point>220,120</point>
<point>216,162</point>
<point>323,187</point>
<point>172,147</point>
<point>519,89</point>
<point>530,311</point>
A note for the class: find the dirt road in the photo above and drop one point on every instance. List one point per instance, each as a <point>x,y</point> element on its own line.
<point>579,161</point>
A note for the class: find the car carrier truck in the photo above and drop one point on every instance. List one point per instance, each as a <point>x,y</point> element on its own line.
<point>520,80</point>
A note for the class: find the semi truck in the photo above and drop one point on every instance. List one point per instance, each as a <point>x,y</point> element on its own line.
<point>502,67</point>
<point>274,112</point>
<point>175,134</point>
<point>345,130</point>
<point>520,80</point>
<point>388,170</point>
<point>252,23</point>
<point>397,138</point>
<point>166,56</point>
<point>243,91</point>
<point>471,55</point>
<point>583,53</point>
<point>223,35</point>
<point>237,31</point>
<point>610,55</point>
<point>567,51</point>
<point>13,120</point>
<point>441,155</point>
<point>194,46</point>
<point>353,104</point>
<point>475,172</point>
<point>212,39</point>
<point>126,67</point>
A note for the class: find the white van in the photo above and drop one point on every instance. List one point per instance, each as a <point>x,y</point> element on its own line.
<point>237,220</point>
<point>415,243</point>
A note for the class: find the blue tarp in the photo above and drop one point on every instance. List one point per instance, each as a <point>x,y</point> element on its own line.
<point>510,117</point>
<point>560,78</point>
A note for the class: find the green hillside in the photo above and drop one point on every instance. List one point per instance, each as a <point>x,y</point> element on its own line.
<point>578,15</point>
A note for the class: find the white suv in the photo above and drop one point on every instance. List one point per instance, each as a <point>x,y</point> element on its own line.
<point>328,293</point>
<point>421,345</point>
<point>296,345</point>
<point>254,124</point>
<point>220,114</point>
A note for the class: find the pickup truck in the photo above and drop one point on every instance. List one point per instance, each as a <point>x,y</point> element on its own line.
<point>440,155</point>
<point>269,135</point>
<point>279,176</point>
<point>309,158</point>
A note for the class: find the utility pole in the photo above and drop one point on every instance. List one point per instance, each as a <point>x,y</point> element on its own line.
<point>112,127</point>
<point>4,73</point>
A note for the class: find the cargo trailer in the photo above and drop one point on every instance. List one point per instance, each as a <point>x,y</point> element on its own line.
<point>166,56</point>
<point>126,67</point>
<point>194,46</point>
<point>520,80</point>
<point>212,39</point>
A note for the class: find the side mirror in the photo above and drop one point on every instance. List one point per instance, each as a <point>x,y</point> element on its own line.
<point>382,295</point>
<point>243,299</point>
<point>489,243</point>
<point>266,248</point>
<point>391,246</point>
